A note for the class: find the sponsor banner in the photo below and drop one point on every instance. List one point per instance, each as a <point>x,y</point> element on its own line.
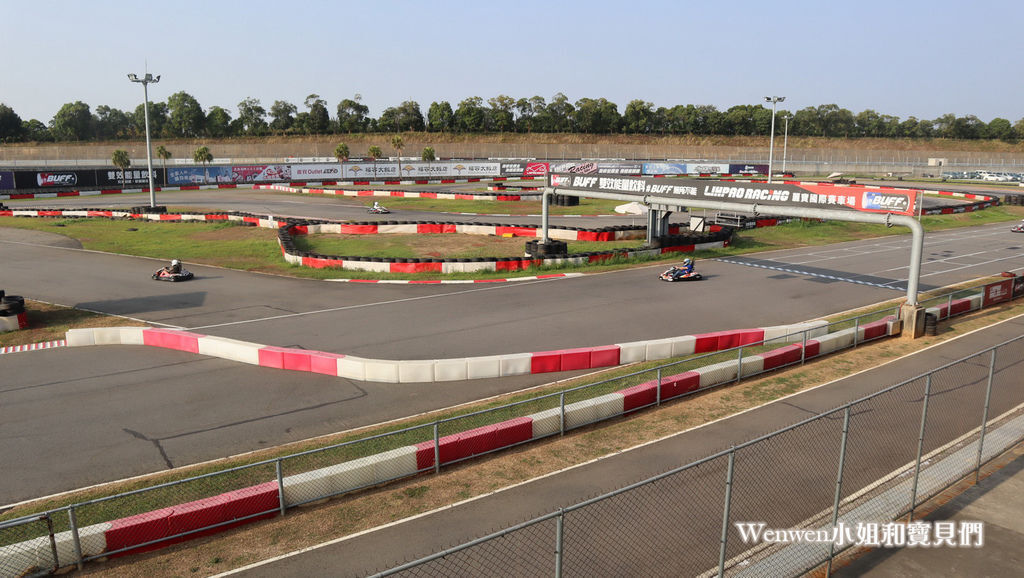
<point>513,169</point>
<point>707,168</point>
<point>111,178</point>
<point>578,167</point>
<point>748,169</point>
<point>1018,287</point>
<point>809,196</point>
<point>6,180</point>
<point>997,293</point>
<point>413,170</point>
<point>536,169</point>
<point>364,171</point>
<point>260,173</point>
<point>475,169</point>
<point>664,169</point>
<point>55,178</point>
<point>324,172</point>
<point>209,175</point>
<point>619,168</point>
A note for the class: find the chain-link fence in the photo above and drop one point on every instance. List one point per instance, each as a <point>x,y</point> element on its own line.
<point>151,517</point>
<point>870,461</point>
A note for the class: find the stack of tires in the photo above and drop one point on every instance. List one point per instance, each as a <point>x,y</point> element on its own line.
<point>12,312</point>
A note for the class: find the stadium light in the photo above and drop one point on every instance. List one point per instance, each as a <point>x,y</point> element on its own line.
<point>775,100</point>
<point>785,143</point>
<point>146,81</point>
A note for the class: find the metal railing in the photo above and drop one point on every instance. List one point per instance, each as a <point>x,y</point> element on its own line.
<point>869,461</point>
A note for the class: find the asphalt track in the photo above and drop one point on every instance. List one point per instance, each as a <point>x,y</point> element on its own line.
<point>74,417</point>
<point>673,527</point>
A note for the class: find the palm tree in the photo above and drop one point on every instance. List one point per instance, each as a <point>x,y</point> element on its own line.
<point>341,152</point>
<point>428,156</point>
<point>121,161</point>
<point>398,144</point>
<point>375,153</point>
<point>164,154</point>
<point>203,157</point>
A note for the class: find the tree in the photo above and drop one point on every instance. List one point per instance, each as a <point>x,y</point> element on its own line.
<point>282,113</point>
<point>341,152</point>
<point>218,122</point>
<point>637,119</point>
<point>560,112</point>
<point>158,114</point>
<point>318,119</point>
<point>186,116</point>
<point>72,122</point>
<point>121,161</point>
<point>501,115</point>
<point>352,115</point>
<point>596,116</point>
<point>374,153</point>
<point>470,116</point>
<point>406,116</point>
<point>440,117</point>
<point>398,144</point>
<point>203,156</point>
<point>428,155</point>
<point>251,117</point>
<point>110,123</point>
<point>163,154</point>
<point>11,125</point>
<point>34,130</point>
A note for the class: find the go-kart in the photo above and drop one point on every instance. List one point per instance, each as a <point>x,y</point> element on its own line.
<point>378,210</point>
<point>1018,228</point>
<point>676,274</point>
<point>165,275</point>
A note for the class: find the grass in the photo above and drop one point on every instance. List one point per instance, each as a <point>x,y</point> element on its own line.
<point>49,322</point>
<point>450,246</point>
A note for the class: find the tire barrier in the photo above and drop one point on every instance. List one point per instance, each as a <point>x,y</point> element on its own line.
<point>488,196</point>
<point>12,312</point>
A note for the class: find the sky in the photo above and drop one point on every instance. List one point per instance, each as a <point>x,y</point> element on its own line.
<point>897,57</point>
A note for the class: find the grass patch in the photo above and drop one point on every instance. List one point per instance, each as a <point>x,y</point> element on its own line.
<point>438,246</point>
<point>48,322</point>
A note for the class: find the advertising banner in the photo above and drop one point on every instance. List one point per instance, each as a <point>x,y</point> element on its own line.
<point>578,167</point>
<point>54,178</point>
<point>513,169</point>
<point>748,169</point>
<point>6,180</point>
<point>475,169</point>
<point>1018,287</point>
<point>536,169</point>
<point>664,169</point>
<point>111,178</point>
<point>707,168</point>
<point>997,293</point>
<point>619,169</point>
<point>364,171</point>
<point>425,170</point>
<point>210,175</point>
<point>807,196</point>
<point>323,172</point>
<point>260,173</point>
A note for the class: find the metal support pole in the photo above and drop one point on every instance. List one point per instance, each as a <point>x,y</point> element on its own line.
<point>280,485</point>
<point>856,331</point>
<point>725,513</point>
<point>559,541</point>
<point>561,413</point>
<point>657,391</point>
<point>75,538</point>
<point>149,148</point>
<point>437,450</point>
<point>839,486</point>
<point>984,415</point>
<point>545,201</point>
<point>920,445</point>
<point>739,364</point>
<point>803,348</point>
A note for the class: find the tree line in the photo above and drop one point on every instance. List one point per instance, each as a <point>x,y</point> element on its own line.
<point>181,116</point>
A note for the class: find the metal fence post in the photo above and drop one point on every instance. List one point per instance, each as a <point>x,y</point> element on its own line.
<point>53,541</point>
<point>561,413</point>
<point>839,487</point>
<point>725,512</point>
<point>803,346</point>
<point>559,541</point>
<point>920,445</point>
<point>75,538</point>
<point>657,392</point>
<point>739,363</point>
<point>280,485</point>
<point>949,305</point>
<point>984,414</point>
<point>856,330</point>
<point>437,450</point>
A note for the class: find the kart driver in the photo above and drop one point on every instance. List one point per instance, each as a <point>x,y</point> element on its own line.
<point>687,267</point>
<point>174,268</point>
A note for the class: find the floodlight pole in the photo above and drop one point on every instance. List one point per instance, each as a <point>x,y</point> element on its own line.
<point>146,81</point>
<point>775,100</point>
<point>785,144</point>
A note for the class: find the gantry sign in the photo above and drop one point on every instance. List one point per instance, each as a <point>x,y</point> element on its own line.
<point>806,200</point>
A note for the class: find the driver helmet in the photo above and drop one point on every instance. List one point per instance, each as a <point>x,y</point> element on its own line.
<point>687,261</point>
<point>175,262</point>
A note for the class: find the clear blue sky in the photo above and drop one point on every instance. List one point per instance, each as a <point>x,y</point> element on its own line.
<point>898,57</point>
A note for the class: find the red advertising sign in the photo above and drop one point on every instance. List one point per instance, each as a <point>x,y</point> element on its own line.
<point>997,292</point>
<point>535,169</point>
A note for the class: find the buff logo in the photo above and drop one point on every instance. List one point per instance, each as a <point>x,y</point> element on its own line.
<point>560,181</point>
<point>883,202</point>
<point>56,179</point>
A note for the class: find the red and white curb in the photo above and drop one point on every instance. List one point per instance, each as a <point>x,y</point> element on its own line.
<point>33,346</point>
<point>455,281</point>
